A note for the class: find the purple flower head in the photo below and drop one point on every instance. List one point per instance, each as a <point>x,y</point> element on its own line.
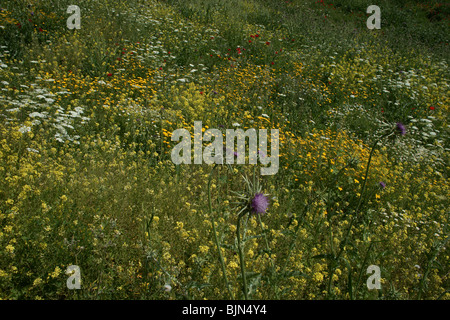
<point>382,185</point>
<point>261,154</point>
<point>400,128</point>
<point>260,203</point>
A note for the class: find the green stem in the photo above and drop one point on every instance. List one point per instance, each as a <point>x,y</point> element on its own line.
<point>216,240</point>
<point>241,255</point>
<point>361,271</point>
<point>354,217</point>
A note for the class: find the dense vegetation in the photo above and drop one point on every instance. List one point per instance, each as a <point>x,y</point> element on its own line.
<point>86,118</point>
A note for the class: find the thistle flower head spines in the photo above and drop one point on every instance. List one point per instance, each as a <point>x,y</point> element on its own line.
<point>259,204</point>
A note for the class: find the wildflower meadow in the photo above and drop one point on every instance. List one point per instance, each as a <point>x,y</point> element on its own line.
<point>224,150</point>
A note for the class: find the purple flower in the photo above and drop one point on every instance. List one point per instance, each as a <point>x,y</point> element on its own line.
<point>382,185</point>
<point>228,151</point>
<point>260,203</point>
<point>400,128</point>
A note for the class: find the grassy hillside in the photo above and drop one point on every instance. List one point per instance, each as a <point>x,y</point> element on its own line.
<point>87,177</point>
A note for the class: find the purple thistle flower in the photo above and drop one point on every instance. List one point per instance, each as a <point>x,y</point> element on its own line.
<point>382,185</point>
<point>400,128</point>
<point>260,203</point>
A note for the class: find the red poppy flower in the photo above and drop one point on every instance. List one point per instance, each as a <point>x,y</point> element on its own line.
<point>268,43</point>
<point>249,41</point>
<point>41,30</point>
<point>273,63</point>
<point>109,74</point>
<point>431,108</point>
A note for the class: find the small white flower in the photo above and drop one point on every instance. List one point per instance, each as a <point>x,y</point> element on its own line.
<point>32,150</point>
<point>167,288</point>
<point>24,129</point>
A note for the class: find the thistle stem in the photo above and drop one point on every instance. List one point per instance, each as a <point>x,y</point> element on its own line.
<point>241,256</point>
<point>216,240</point>
<point>354,217</point>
